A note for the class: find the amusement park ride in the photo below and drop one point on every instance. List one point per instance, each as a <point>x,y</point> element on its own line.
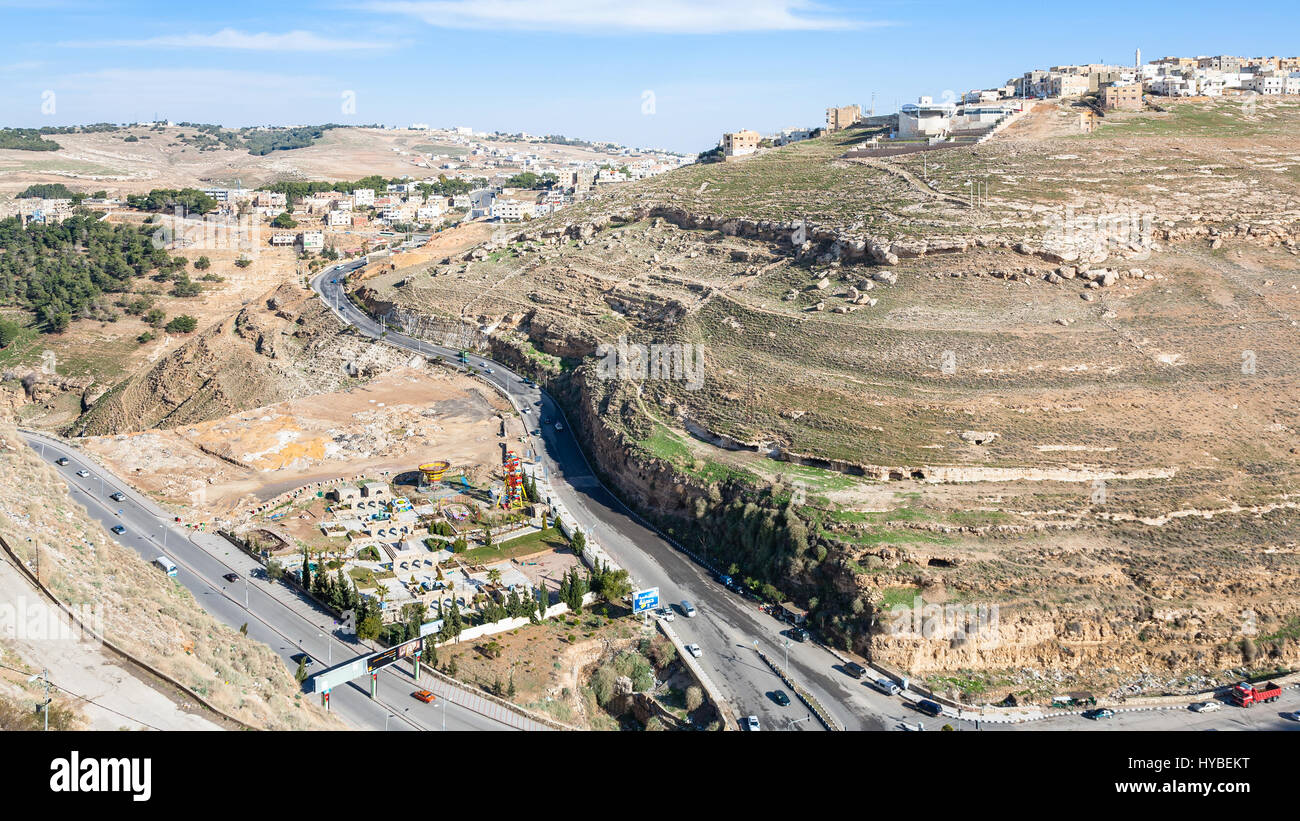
<point>509,496</point>
<point>514,495</point>
<point>432,472</point>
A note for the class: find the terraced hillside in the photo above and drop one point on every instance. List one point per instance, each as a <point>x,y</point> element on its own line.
<point>1076,401</point>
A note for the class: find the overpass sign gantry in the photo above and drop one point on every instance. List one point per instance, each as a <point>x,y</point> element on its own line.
<point>370,665</point>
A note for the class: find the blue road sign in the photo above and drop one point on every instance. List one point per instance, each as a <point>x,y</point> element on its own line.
<point>643,600</point>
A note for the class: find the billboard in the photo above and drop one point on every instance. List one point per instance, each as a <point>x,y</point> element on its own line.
<point>395,653</point>
<point>645,600</point>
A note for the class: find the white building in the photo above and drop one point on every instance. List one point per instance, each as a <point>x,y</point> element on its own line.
<point>508,210</point>
<point>924,119</point>
<point>1267,83</point>
<point>363,197</point>
<point>313,240</point>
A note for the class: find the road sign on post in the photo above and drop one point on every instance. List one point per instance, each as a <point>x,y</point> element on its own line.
<point>644,601</point>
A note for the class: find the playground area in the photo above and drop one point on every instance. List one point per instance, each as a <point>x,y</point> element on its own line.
<point>429,535</point>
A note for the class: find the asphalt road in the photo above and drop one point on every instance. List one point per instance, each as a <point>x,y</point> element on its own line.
<point>727,626</point>
<point>286,630</point>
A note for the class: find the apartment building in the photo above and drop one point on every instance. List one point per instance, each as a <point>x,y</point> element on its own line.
<point>312,240</point>
<point>1222,62</point>
<point>363,197</point>
<point>1067,85</point>
<point>1269,83</point>
<point>1122,97</point>
<point>839,118</point>
<point>513,210</point>
<point>740,143</point>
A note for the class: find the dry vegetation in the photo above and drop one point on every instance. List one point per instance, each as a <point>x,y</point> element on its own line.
<point>1097,461</point>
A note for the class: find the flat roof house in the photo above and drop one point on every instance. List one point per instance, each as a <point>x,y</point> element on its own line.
<point>740,143</point>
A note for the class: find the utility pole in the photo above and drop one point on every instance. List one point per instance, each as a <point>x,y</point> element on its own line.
<point>44,706</point>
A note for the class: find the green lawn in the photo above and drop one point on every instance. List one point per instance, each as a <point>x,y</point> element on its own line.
<point>548,539</point>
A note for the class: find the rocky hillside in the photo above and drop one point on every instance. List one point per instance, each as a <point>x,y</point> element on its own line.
<point>283,346</point>
<point>85,569</point>
<point>1075,403</point>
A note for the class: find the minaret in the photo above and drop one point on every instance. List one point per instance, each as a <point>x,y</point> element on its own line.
<point>1137,61</point>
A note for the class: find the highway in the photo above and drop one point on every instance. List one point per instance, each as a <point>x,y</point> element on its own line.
<point>275,614</point>
<point>727,626</point>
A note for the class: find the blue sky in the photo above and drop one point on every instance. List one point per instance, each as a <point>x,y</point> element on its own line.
<point>577,67</point>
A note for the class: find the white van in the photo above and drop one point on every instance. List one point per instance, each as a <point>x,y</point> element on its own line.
<point>688,609</point>
<point>167,565</point>
<point>886,686</point>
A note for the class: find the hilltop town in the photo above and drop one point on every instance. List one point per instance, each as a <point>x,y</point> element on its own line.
<point>991,397</point>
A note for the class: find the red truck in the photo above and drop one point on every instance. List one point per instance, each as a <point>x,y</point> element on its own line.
<point>1246,694</point>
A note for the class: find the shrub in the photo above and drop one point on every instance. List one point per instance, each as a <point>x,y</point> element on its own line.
<point>182,324</point>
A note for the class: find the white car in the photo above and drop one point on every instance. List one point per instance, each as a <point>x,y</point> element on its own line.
<point>665,613</point>
<point>1206,707</point>
<point>751,724</point>
<point>558,426</point>
<point>527,410</point>
<point>694,650</point>
<point>83,473</point>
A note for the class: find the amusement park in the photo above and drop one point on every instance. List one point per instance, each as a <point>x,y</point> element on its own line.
<point>428,539</point>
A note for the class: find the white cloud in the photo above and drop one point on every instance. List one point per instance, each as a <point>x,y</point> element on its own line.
<point>622,16</point>
<point>233,39</point>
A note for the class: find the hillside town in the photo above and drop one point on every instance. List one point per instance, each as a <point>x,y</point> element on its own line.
<point>979,113</point>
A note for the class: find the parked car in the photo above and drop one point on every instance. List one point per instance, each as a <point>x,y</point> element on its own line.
<point>781,698</point>
<point>231,577</point>
<point>61,461</point>
<point>425,696</point>
<point>1099,713</point>
<point>117,497</point>
<point>854,669</point>
<point>1293,716</point>
<point>688,609</point>
<point>799,634</point>
<point>665,613</point>
<point>930,708</point>
<point>1206,707</point>
<point>83,473</point>
<point>558,426</point>
<point>694,650</point>
<point>118,529</point>
<point>751,724</point>
<point>886,686</point>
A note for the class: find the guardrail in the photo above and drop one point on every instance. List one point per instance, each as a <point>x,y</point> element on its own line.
<point>724,710</point>
<point>807,698</point>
